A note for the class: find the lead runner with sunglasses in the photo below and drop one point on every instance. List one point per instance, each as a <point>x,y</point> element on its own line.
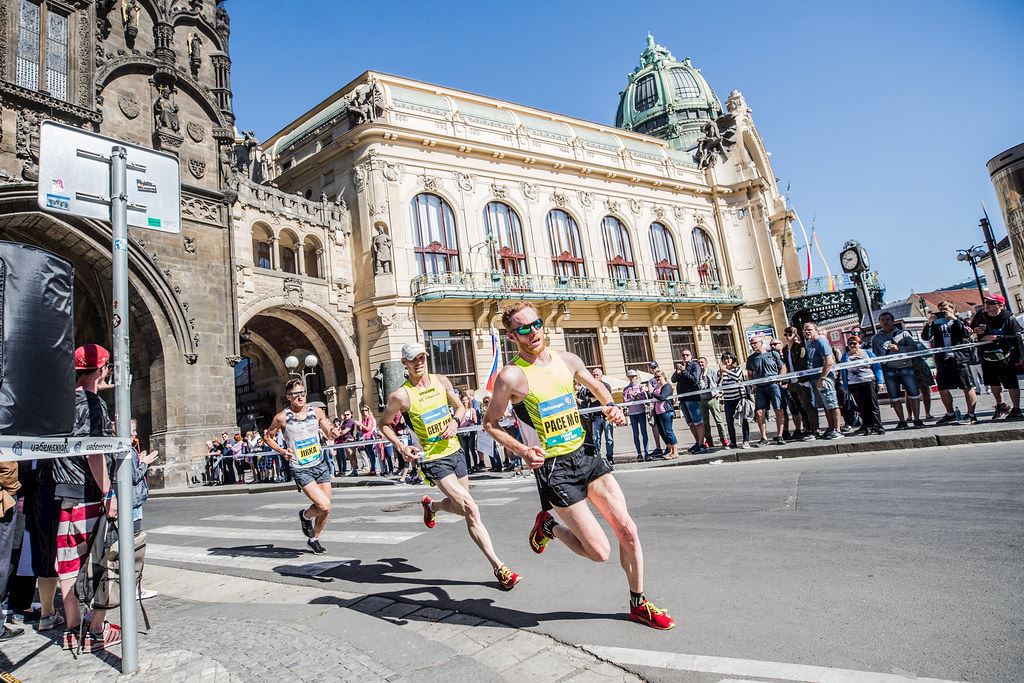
<point>539,383</point>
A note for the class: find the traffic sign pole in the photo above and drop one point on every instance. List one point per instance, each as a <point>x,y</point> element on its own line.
<point>123,410</point>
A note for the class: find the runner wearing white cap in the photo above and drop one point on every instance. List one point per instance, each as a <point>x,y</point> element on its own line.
<point>432,409</point>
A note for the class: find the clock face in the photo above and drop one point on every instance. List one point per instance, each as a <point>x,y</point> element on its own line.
<point>864,260</point>
<point>849,259</point>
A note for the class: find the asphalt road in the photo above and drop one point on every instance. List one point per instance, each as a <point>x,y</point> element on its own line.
<point>905,563</point>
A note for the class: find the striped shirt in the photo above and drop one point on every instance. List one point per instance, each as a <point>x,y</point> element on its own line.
<point>729,383</point>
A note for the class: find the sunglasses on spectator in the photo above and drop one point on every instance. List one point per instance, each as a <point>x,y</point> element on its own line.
<point>297,394</point>
<point>525,329</point>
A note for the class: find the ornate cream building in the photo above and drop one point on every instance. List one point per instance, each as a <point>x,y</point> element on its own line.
<point>459,203</point>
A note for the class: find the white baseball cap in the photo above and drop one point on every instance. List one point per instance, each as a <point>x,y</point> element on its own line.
<point>412,349</point>
<point>631,373</point>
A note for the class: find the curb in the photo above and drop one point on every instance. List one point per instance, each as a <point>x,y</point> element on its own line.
<point>837,447</point>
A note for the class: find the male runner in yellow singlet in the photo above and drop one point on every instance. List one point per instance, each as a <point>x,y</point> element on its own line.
<point>427,403</point>
<point>539,383</point>
<point>301,425</point>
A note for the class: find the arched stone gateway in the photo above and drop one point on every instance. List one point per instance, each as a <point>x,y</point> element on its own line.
<point>277,329</point>
<point>164,338</point>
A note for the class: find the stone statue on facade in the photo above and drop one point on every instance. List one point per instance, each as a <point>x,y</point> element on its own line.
<point>378,382</point>
<point>165,111</point>
<point>364,102</point>
<point>381,252</point>
<point>195,57</point>
<point>716,141</point>
<point>130,11</point>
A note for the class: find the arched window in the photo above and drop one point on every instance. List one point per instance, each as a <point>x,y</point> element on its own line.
<point>262,246</point>
<point>646,94</point>
<point>287,245</point>
<point>618,249</point>
<point>707,264</point>
<point>684,84</point>
<point>433,227</point>
<point>566,247</point>
<point>664,249</point>
<point>502,224</point>
<point>311,258</point>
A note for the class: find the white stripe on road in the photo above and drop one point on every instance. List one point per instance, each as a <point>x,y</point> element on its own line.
<point>744,667</point>
<point>354,505</point>
<point>293,519</point>
<point>302,564</point>
<point>216,532</point>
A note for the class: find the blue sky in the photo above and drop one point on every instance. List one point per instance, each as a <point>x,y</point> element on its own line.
<point>881,116</point>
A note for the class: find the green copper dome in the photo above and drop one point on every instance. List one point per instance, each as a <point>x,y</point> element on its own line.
<point>667,99</point>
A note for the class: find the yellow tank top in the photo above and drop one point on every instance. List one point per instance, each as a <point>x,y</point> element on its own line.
<point>427,416</point>
<point>548,415</point>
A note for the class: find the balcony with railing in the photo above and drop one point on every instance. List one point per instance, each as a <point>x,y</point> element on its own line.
<point>498,285</point>
<point>834,283</point>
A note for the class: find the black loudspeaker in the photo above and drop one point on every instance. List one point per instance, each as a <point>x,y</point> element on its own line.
<point>37,342</point>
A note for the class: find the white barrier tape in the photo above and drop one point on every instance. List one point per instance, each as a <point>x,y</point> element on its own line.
<point>31,448</point>
<point>38,448</point>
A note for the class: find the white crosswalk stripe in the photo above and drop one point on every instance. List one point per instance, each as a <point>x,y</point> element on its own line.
<point>300,563</point>
<point>366,519</point>
<point>341,504</point>
<point>209,532</point>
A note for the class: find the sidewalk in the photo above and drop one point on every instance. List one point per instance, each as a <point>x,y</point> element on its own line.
<point>986,431</point>
<point>213,628</point>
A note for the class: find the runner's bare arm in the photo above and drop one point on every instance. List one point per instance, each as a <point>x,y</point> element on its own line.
<point>510,385</point>
<point>271,440</point>
<point>456,404</point>
<point>611,413</point>
<point>326,426</point>
<point>398,402</point>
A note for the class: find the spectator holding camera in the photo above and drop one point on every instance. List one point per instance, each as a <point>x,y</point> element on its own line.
<point>1000,358</point>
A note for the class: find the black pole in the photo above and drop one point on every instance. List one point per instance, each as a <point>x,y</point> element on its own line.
<point>990,242</point>
<point>977,280</point>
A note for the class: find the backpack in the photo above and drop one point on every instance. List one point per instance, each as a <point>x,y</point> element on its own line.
<point>98,584</point>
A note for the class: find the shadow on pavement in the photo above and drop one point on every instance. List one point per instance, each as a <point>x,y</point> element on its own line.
<point>484,608</point>
<point>382,572</point>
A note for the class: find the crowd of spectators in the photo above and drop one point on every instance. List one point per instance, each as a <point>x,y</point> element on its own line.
<point>718,411</point>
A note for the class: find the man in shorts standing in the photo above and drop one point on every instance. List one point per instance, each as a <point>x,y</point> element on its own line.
<point>761,363</point>
<point>301,427</point>
<point>820,357</point>
<point>999,359</point>
<point>952,368</point>
<point>899,375</point>
<point>86,490</point>
<point>433,411</point>
<point>539,383</point>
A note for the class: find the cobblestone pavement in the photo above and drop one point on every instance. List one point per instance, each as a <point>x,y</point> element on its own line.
<point>233,632</point>
<point>186,643</point>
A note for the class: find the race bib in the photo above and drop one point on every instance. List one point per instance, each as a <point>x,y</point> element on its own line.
<point>307,451</point>
<point>434,422</point>
<point>561,420</point>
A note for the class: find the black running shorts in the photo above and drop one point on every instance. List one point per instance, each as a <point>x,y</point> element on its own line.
<point>436,470</point>
<point>319,473</point>
<point>564,480</point>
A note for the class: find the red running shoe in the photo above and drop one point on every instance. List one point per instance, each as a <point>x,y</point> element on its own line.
<point>539,539</point>
<point>428,515</point>
<point>507,578</point>
<point>648,614</point>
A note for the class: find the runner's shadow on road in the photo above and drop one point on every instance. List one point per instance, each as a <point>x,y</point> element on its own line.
<point>389,570</point>
<point>263,550</point>
<point>483,608</point>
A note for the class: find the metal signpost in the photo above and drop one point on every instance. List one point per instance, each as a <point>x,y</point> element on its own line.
<point>73,181</point>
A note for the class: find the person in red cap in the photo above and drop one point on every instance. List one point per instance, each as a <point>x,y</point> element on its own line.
<point>85,489</point>
<point>999,360</point>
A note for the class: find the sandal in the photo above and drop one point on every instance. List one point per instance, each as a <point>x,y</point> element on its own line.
<point>94,642</point>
